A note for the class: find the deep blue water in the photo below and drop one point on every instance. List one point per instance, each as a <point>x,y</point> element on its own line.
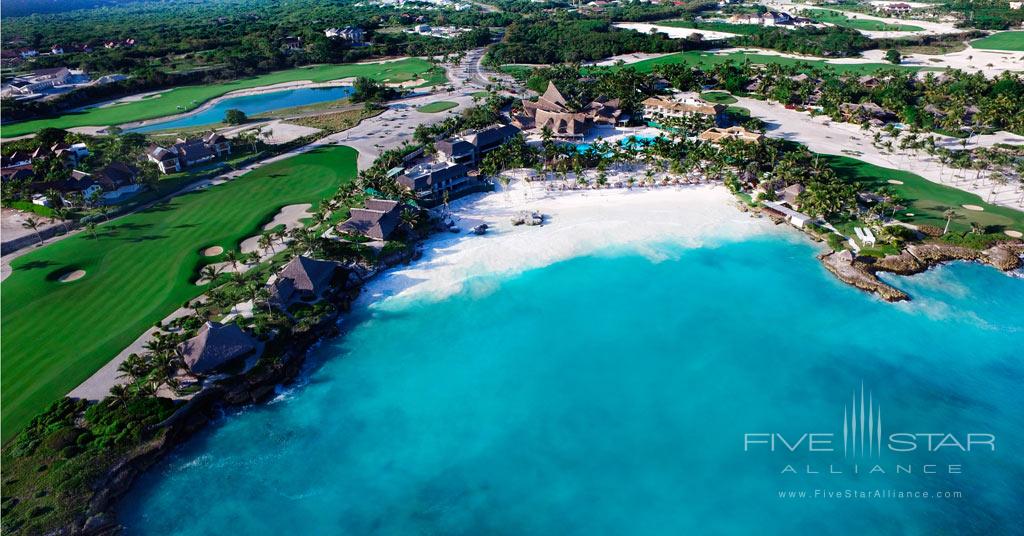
<point>254,104</point>
<point>612,395</point>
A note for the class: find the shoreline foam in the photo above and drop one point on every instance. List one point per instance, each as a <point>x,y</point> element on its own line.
<point>577,223</point>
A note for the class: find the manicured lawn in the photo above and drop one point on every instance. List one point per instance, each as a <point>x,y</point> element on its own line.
<point>718,97</point>
<point>706,59</point>
<point>480,94</point>
<point>1001,41</point>
<point>928,200</point>
<point>186,98</point>
<point>738,29</point>
<point>436,107</point>
<point>841,19</point>
<point>139,270</point>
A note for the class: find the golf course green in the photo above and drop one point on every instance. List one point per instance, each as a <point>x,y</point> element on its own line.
<point>849,20</point>
<point>436,107</point>
<point>138,269</point>
<point>1012,41</point>
<point>927,200</point>
<point>182,99</point>
<point>707,59</point>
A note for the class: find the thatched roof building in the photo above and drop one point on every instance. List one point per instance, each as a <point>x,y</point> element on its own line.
<point>215,345</point>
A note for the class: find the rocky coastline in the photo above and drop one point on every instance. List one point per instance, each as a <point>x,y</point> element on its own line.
<point>861,272</point>
<point>255,386</point>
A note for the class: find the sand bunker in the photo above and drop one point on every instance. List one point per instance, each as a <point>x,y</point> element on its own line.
<point>290,216</point>
<point>213,251</point>
<point>975,208</point>
<point>1014,234</point>
<point>71,276</point>
<point>894,181</point>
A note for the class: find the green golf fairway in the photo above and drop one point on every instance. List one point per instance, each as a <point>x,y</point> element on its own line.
<point>705,59</point>
<point>138,270</point>
<point>1013,41</point>
<point>842,19</point>
<point>927,200</point>
<point>182,99</point>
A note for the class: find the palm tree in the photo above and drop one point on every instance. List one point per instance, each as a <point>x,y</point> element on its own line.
<point>130,367</point>
<point>210,272</point>
<point>63,215</point>
<point>91,229</point>
<point>120,394</point>
<point>232,258</point>
<point>32,223</point>
<point>266,242</point>
<point>253,258</point>
<point>949,214</point>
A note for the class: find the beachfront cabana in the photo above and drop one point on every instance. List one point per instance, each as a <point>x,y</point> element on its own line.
<point>302,279</point>
<point>215,345</point>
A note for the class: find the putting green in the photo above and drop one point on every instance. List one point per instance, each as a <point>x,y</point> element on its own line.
<point>140,269</point>
<point>436,107</point>
<point>183,99</point>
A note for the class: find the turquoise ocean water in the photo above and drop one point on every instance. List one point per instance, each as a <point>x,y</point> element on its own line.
<point>611,394</point>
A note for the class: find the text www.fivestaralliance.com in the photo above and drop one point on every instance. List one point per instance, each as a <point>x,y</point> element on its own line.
<point>853,494</point>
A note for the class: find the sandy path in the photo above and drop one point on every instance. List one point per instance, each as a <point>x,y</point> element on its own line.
<point>98,385</point>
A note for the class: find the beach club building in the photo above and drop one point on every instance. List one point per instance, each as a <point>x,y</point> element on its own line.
<point>379,219</point>
<point>216,345</point>
<point>469,148</point>
<point>552,112</point>
<point>303,279</point>
<point>430,180</point>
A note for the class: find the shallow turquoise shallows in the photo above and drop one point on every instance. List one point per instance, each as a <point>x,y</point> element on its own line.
<point>612,395</point>
<point>252,105</point>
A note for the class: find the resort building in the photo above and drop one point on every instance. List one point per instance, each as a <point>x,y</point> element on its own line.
<point>302,279</point>
<point>111,183</point>
<point>216,345</point>
<point>798,219</point>
<point>429,181</point>
<point>790,195</point>
<point>456,151</point>
<point>715,135</point>
<point>473,145</point>
<point>352,34</point>
<point>898,8</point>
<point>551,111</point>
<point>867,112</point>
<point>677,107</point>
<point>378,220</point>
<point>188,152</point>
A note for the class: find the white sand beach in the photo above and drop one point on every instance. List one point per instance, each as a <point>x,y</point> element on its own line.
<point>577,222</point>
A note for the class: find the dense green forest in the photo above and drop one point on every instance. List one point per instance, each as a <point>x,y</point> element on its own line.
<point>565,39</point>
<point>832,41</point>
